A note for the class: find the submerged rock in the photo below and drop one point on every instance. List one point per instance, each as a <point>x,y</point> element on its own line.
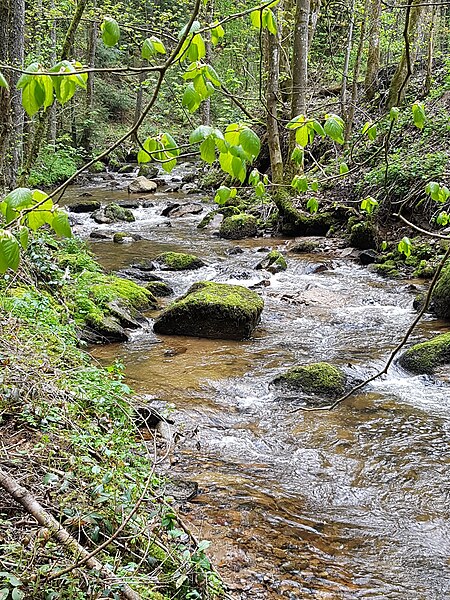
<point>274,262</point>
<point>142,185</point>
<point>238,227</point>
<point>427,356</point>
<point>159,288</point>
<point>316,378</point>
<point>178,261</point>
<point>212,310</point>
<point>85,206</point>
<point>124,237</point>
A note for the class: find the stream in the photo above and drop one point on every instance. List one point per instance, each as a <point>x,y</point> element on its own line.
<point>348,504</point>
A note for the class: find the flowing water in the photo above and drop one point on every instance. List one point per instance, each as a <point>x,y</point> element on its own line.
<point>353,503</point>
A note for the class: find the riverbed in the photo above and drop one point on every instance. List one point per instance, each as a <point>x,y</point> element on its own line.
<point>348,504</point>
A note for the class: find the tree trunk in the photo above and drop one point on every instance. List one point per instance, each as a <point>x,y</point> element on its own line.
<point>300,59</point>
<point>348,51</point>
<point>350,113</point>
<point>430,51</point>
<point>206,105</point>
<point>86,135</point>
<point>406,65</point>
<point>316,5</point>
<point>273,63</point>
<point>373,54</point>
<point>12,25</point>
<point>52,115</point>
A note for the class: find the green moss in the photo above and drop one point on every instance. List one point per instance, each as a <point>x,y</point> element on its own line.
<point>226,211</point>
<point>274,262</point>
<point>118,213</point>
<point>238,227</point>
<point>441,295</point>
<point>425,270</point>
<point>427,356</point>
<point>317,378</point>
<point>387,269</point>
<point>178,261</point>
<point>362,236</point>
<point>214,310</point>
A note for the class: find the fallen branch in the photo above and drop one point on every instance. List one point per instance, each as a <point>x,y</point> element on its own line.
<point>32,506</point>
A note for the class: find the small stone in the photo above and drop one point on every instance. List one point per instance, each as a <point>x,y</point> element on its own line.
<point>85,206</point>
<point>142,185</point>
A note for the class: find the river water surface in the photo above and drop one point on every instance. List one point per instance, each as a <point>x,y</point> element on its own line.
<point>353,503</point>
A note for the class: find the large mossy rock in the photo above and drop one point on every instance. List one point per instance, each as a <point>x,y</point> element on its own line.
<point>179,261</point>
<point>362,236</point>
<point>427,356</point>
<point>317,378</point>
<point>441,296</point>
<point>238,227</point>
<point>212,310</point>
<point>112,213</point>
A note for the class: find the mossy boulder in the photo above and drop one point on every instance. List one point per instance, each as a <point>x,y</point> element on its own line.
<point>212,310</point>
<point>179,261</point>
<point>317,378</point>
<point>159,288</point>
<point>427,356</point>
<point>115,212</point>
<point>441,296</point>
<point>274,262</point>
<point>238,227</point>
<point>362,236</point>
<point>387,269</point>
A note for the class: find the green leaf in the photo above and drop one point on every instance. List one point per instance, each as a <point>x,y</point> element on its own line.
<point>232,133</point>
<point>60,224</point>
<point>297,155</point>
<point>22,235</point>
<point>405,246</point>
<point>191,98</point>
<point>269,21</point>
<point>170,145</point>
<point>222,194</point>
<point>238,168</point>
<point>199,134</point>
<point>43,214</point>
<point>260,189</point>
<point>300,183</point>
<point>110,32</point>
<point>3,82</point>
<point>334,128</point>
<point>225,159</point>
<point>197,48</point>
<point>212,75</point>
<point>217,33</point>
<point>47,85</point>
<point>314,185</point>
<point>169,165</point>
<point>318,128</point>
<point>254,177</point>
<point>302,135</point>
<point>25,79</point>
<point>194,27</point>
<point>200,87</point>
<point>33,96</point>
<point>343,168</point>
<point>150,145</point>
<point>312,205</point>
<point>256,18</point>
<point>158,45</point>
<point>250,142</point>
<point>394,113</point>
<point>297,121</point>
<point>208,150</point>
<point>9,255</point>
<point>418,110</point>
<point>20,198</point>
<point>443,218</point>
<point>148,49</point>
<point>369,204</point>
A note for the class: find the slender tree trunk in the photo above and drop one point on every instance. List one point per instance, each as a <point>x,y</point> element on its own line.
<point>373,54</point>
<point>273,63</point>
<point>206,105</point>
<point>430,51</point>
<point>316,5</point>
<point>300,59</point>
<point>52,113</point>
<point>86,136</point>
<point>354,97</point>
<point>348,51</point>
<point>405,67</point>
